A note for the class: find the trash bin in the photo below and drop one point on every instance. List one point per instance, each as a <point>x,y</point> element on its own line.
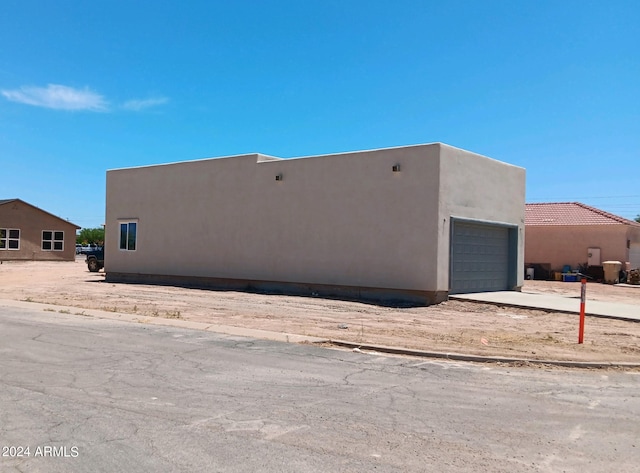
<point>530,273</point>
<point>611,271</point>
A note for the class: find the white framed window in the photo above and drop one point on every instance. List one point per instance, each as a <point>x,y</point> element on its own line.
<point>9,238</point>
<point>52,240</point>
<point>128,236</point>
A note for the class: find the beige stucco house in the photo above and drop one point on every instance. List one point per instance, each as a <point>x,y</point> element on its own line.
<point>574,234</point>
<point>413,223</point>
<point>30,233</point>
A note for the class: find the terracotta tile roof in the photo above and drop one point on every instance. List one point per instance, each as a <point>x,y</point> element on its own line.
<point>571,213</point>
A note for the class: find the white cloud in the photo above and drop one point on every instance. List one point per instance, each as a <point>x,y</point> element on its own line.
<point>137,105</point>
<point>59,97</point>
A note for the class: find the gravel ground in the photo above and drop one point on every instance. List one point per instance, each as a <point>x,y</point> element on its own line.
<point>452,326</point>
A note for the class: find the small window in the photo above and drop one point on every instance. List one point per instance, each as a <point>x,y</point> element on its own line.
<point>58,241</point>
<point>9,239</point>
<point>52,241</point>
<point>128,235</point>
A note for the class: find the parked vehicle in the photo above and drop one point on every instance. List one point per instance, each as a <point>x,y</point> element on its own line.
<point>95,259</point>
<point>84,249</point>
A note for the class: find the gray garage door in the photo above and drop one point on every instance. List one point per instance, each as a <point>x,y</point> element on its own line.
<point>479,258</point>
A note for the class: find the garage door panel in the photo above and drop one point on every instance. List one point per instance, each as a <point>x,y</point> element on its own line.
<point>480,258</point>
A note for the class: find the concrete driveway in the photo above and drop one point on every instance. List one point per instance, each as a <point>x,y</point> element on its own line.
<point>556,303</point>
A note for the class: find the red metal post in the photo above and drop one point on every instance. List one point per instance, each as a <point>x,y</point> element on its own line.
<point>583,297</point>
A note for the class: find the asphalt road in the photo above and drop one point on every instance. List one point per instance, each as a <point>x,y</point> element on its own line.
<point>81,394</point>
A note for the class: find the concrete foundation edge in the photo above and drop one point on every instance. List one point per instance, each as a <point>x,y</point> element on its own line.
<point>381,296</point>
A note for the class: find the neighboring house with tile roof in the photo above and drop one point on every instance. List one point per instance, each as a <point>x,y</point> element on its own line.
<point>30,233</point>
<point>572,233</point>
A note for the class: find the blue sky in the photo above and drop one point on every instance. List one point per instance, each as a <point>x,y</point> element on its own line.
<point>86,86</point>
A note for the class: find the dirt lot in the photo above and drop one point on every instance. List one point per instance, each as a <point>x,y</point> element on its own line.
<point>452,327</point>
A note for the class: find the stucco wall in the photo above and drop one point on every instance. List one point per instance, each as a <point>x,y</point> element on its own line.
<point>478,188</point>
<point>338,219</point>
<point>568,245</point>
<point>31,221</point>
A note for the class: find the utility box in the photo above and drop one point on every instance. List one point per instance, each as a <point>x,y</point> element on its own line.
<point>611,271</point>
